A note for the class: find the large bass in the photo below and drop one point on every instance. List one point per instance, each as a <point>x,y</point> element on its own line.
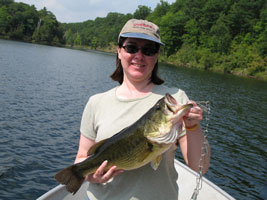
<point>135,146</point>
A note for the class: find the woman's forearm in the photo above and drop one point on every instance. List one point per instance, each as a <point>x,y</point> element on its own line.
<point>191,147</point>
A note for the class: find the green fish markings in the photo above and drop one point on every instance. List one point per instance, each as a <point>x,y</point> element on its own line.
<point>135,146</point>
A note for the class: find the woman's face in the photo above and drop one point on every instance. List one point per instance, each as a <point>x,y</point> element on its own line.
<point>137,67</point>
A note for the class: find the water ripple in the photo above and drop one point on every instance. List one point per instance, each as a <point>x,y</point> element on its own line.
<point>43,93</point>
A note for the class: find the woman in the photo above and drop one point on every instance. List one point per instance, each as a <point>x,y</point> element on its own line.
<point>107,113</point>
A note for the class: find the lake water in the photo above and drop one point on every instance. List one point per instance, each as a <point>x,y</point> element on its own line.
<point>43,91</point>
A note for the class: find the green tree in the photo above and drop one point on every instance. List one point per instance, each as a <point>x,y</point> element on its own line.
<point>193,9</point>
<point>242,15</point>
<point>192,33</point>
<point>220,37</point>
<point>172,31</point>
<point>142,12</point>
<point>94,42</point>
<point>260,30</point>
<point>30,20</point>
<point>48,30</point>
<point>6,2</point>
<point>261,38</point>
<point>161,9</point>
<point>211,10</point>
<point>5,19</point>
<point>77,40</point>
<point>17,20</point>
<point>69,38</point>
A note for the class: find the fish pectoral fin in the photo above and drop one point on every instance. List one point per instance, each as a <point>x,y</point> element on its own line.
<point>94,148</point>
<point>155,163</point>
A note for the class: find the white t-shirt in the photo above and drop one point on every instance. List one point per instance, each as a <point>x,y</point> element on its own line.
<point>104,116</point>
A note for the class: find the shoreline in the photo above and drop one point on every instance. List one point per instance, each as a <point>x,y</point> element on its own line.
<point>162,60</point>
<point>111,50</point>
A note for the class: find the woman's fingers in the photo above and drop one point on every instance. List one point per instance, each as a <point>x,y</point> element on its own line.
<point>102,176</point>
<point>101,169</point>
<point>194,116</point>
<point>113,171</point>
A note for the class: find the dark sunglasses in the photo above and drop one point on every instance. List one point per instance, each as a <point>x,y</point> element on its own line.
<point>147,51</point>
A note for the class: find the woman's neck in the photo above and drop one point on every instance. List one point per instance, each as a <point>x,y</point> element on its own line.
<point>130,90</point>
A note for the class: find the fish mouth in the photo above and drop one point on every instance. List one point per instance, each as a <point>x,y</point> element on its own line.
<point>174,113</point>
<point>171,103</point>
<point>185,107</point>
<point>174,110</point>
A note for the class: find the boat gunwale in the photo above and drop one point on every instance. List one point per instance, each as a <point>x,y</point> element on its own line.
<point>57,190</point>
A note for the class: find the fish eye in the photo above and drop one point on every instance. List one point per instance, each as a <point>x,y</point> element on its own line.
<point>158,107</point>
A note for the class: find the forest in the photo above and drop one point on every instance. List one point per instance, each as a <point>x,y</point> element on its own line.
<point>19,21</point>
<point>226,36</point>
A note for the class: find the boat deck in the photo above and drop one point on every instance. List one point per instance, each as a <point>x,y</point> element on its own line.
<point>186,183</point>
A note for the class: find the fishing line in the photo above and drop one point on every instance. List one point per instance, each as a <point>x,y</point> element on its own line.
<point>205,106</point>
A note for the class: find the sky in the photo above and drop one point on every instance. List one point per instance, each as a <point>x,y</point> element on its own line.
<point>82,10</point>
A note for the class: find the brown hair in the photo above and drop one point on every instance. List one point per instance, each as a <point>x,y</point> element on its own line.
<point>117,75</point>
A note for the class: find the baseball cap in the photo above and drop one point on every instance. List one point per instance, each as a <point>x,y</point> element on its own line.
<point>142,29</point>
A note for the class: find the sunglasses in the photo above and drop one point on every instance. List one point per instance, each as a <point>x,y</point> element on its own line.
<point>147,51</point>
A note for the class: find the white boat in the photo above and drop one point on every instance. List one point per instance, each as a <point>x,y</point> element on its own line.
<point>186,183</point>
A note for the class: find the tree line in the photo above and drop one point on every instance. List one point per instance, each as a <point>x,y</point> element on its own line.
<point>228,36</point>
<point>19,21</point>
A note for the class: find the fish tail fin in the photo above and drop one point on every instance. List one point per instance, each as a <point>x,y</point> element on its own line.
<point>71,178</point>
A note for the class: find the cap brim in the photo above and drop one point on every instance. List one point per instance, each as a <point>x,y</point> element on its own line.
<point>141,36</point>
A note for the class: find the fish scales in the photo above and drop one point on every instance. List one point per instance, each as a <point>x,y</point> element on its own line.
<point>122,152</point>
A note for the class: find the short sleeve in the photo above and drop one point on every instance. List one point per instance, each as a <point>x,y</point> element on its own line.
<point>87,122</point>
<point>181,97</point>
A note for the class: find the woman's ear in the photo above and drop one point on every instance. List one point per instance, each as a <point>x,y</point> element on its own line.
<point>119,52</point>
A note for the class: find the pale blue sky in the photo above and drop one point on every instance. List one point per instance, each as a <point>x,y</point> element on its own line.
<point>82,10</point>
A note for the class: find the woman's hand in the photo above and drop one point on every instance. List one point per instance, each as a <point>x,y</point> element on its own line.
<point>102,176</point>
<point>194,116</point>
<point>191,144</point>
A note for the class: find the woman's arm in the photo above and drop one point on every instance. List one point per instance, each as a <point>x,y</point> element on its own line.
<point>84,145</point>
<point>191,143</point>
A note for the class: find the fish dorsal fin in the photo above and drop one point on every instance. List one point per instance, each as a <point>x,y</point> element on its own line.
<point>94,148</point>
<point>155,163</point>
